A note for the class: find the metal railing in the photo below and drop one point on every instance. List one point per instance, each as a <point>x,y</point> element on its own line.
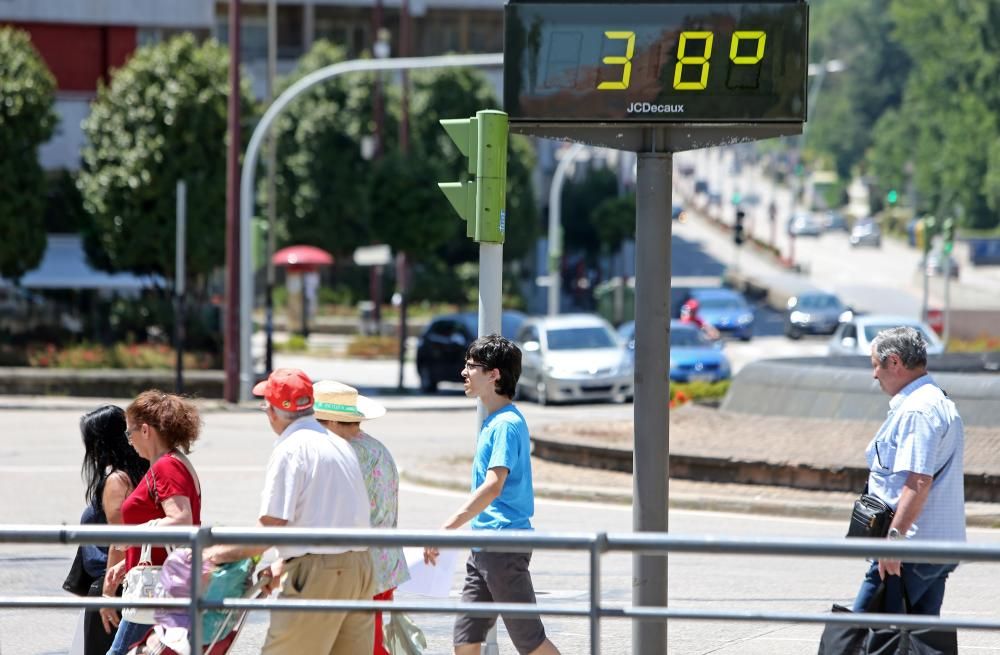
<point>596,544</point>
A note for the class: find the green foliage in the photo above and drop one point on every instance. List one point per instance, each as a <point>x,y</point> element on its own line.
<point>321,178</point>
<point>64,211</point>
<point>373,347</point>
<point>27,119</point>
<point>161,119</point>
<point>698,390</point>
<point>295,343</point>
<point>614,220</point>
<point>409,212</point>
<point>580,196</point>
<point>946,127</point>
<point>850,102</point>
<point>128,356</point>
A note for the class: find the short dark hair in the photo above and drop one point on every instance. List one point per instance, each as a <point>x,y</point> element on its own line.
<point>496,352</point>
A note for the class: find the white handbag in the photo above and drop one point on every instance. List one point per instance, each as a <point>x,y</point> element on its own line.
<point>140,582</point>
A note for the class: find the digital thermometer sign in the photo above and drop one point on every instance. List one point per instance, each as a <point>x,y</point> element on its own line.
<point>655,62</point>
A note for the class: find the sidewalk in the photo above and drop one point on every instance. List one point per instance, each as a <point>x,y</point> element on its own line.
<point>727,444</point>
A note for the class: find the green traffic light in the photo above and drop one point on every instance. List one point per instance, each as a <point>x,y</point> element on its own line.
<point>892,196</point>
<point>481,202</point>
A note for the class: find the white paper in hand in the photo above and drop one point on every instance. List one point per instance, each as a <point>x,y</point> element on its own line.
<point>427,579</point>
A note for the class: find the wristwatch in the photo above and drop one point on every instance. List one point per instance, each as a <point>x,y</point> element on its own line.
<point>894,534</point>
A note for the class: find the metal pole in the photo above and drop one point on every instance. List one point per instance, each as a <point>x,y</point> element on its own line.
<point>247,176</point>
<point>237,244</point>
<point>401,284</point>
<point>923,265</point>
<point>595,594</point>
<point>272,200</point>
<point>652,336</point>
<point>490,301</point>
<point>947,298</point>
<point>195,633</point>
<point>179,277</point>
<point>555,223</point>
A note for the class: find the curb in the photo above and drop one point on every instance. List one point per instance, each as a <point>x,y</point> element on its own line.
<point>87,403</point>
<point>688,501</point>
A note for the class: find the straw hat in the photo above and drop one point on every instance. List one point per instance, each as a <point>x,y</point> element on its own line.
<point>338,402</point>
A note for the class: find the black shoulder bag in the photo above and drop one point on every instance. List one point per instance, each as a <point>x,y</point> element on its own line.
<point>871,516</point>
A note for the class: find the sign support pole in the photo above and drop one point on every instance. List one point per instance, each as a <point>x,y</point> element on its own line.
<point>652,390</point>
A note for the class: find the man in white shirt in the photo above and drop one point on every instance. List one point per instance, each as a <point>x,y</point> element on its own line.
<point>916,467</point>
<point>313,480</point>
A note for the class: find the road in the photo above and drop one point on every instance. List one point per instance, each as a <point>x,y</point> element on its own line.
<point>41,451</point>
<point>882,279</point>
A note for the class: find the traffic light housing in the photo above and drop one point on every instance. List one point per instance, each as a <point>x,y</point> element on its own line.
<point>892,197</point>
<point>481,200</point>
<point>738,227</point>
<point>948,235</point>
<point>924,232</point>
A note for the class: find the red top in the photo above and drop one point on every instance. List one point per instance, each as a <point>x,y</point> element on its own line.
<point>169,477</point>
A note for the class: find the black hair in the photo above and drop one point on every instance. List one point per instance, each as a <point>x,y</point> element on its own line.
<point>497,352</point>
<point>105,445</point>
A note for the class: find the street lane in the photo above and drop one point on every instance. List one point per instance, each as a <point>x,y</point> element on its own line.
<point>40,484</point>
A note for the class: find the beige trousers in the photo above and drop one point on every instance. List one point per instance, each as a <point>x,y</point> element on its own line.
<point>346,576</point>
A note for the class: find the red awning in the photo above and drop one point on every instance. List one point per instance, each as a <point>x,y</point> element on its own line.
<point>302,256</point>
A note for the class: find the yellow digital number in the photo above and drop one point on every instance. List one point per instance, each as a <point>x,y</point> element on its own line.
<point>693,60</point>
<point>625,62</point>
<point>748,35</point>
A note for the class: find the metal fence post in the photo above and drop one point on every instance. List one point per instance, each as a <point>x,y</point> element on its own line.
<point>596,549</point>
<point>199,541</point>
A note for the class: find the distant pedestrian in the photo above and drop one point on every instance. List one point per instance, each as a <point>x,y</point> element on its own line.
<point>313,480</point>
<point>161,428</point>
<point>502,499</point>
<point>341,409</point>
<point>690,314</point>
<point>111,470</point>
<point>915,464</point>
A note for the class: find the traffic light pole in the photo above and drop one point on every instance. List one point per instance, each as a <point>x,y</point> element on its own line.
<point>652,390</point>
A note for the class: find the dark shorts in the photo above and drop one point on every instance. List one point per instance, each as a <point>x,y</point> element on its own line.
<point>499,578</point>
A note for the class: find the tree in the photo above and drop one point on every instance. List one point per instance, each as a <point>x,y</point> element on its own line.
<point>580,196</point>
<point>161,119</point>
<point>614,220</point>
<point>27,119</point>
<point>857,33</point>
<point>947,123</point>
<point>322,180</point>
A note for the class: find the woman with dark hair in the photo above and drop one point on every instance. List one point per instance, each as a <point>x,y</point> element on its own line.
<point>111,469</point>
<point>161,428</point>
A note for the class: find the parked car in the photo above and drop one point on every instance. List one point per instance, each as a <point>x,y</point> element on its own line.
<point>725,309</point>
<point>678,213</point>
<point>866,232</point>
<point>834,221</point>
<point>814,312</point>
<point>804,224</point>
<point>935,264</point>
<point>573,357</point>
<point>854,337</point>
<point>441,348</point>
<point>693,356</point>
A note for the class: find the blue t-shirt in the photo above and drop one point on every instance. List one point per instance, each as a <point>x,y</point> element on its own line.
<point>504,441</point>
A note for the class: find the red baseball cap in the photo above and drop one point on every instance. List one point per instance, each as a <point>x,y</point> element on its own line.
<point>286,388</point>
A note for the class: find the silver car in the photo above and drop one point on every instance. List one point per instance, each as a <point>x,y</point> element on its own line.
<point>573,357</point>
<point>855,336</point>
<point>866,232</point>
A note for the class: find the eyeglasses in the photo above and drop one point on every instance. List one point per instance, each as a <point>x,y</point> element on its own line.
<point>469,366</point>
<point>128,433</point>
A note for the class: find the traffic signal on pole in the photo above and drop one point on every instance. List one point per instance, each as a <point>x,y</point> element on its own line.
<point>481,200</point>
<point>925,230</point>
<point>892,197</point>
<point>948,233</point>
<point>738,227</point>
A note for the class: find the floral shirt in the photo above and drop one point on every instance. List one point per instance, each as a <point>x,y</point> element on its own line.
<point>382,482</point>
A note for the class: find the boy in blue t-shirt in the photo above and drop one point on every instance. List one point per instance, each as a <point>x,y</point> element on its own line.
<point>502,499</point>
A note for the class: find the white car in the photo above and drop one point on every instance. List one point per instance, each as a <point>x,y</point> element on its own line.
<point>573,357</point>
<point>855,337</point>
